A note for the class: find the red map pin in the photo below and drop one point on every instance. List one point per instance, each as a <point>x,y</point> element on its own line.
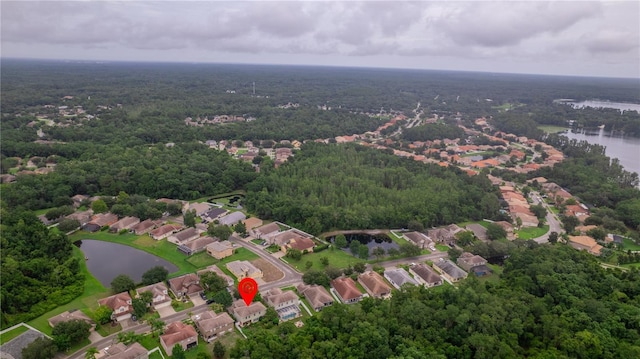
<point>248,289</point>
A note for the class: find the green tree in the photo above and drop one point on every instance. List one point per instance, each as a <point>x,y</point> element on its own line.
<point>598,234</point>
<point>157,326</point>
<point>415,225</point>
<point>219,350</point>
<point>340,241</point>
<point>41,348</point>
<point>174,208</point>
<point>378,252</point>
<point>363,252</point>
<point>294,254</point>
<point>122,283</point>
<point>155,275</point>
<point>213,282</point>
<point>240,228</point>
<point>99,206</point>
<point>333,272</point>
<point>410,250</point>
<point>102,314</point>
<point>308,265</point>
<point>539,211</point>
<point>454,253</point>
<point>569,223</point>
<point>223,297</point>
<point>360,267</point>
<point>91,353</point>
<point>313,276</point>
<point>177,352</point>
<point>324,260</point>
<point>465,238</point>
<point>495,232</point>
<point>66,334</point>
<point>68,224</point>
<point>553,237</point>
<point>139,307</point>
<point>354,247</point>
<point>223,232</point>
<point>190,218</point>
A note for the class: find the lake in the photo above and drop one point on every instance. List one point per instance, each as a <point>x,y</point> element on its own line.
<point>106,260</point>
<point>625,149</point>
<point>622,106</point>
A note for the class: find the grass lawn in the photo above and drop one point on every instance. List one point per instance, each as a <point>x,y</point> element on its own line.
<point>155,355</point>
<point>149,342</point>
<point>397,237</point>
<point>495,276</point>
<point>201,260</point>
<point>256,241</point>
<point>43,211</point>
<point>631,265</point>
<point>93,290</point>
<point>442,248</point>
<point>240,254</point>
<point>108,329</point>
<point>272,248</point>
<point>337,258</point>
<point>12,334</point>
<point>180,305</point>
<point>78,346</point>
<point>552,129</point>
<point>532,232</point>
<point>628,244</point>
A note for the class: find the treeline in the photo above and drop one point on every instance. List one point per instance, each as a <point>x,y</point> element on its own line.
<point>186,171</point>
<point>349,187</point>
<point>39,271</point>
<point>432,131</point>
<point>552,301</point>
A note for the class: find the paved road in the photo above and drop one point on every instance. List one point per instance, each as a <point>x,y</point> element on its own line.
<point>291,277</point>
<point>422,258</point>
<point>552,219</point>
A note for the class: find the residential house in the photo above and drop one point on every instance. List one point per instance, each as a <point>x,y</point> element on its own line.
<point>303,244</point>
<point>219,250</point>
<point>124,223</point>
<point>232,218</point>
<point>72,314</point>
<point>178,333</point>
<point>120,304</point>
<point>467,261</point>
<point>122,351</point>
<point>424,275</point>
<point>284,302</point>
<point>83,217</point>
<point>213,214</point>
<point>185,285</point>
<point>444,234</point>
<point>449,270</point>
<point>251,223</point>
<point>478,230</point>
<point>199,208</point>
<point>316,295</point>
<point>508,227</point>
<point>213,268</point>
<point>164,231</point>
<point>100,220</point>
<point>212,325</point>
<point>144,227</point>
<point>78,199</point>
<point>160,294</point>
<point>418,239</point>
<point>244,269</point>
<point>184,236</point>
<point>247,314</point>
<point>579,211</point>
<point>266,231</point>
<point>197,245</point>
<point>398,277</point>
<point>527,220</point>
<point>346,290</point>
<point>585,243</point>
<point>374,284</point>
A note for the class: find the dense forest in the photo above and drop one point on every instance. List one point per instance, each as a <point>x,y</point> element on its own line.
<point>39,272</point>
<point>349,186</point>
<point>432,131</point>
<point>550,302</point>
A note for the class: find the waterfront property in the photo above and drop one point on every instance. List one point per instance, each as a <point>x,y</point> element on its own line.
<point>120,304</point>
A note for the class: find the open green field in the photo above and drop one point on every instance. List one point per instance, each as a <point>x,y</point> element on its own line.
<point>201,260</point>
<point>532,232</point>
<point>552,129</point>
<point>442,248</point>
<point>12,334</point>
<point>629,245</point>
<point>93,290</point>
<point>337,258</point>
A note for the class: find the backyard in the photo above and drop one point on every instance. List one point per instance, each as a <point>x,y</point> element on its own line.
<point>337,258</point>
<point>532,232</point>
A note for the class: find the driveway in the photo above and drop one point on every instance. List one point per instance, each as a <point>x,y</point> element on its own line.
<point>196,300</point>
<point>166,311</point>
<point>95,336</point>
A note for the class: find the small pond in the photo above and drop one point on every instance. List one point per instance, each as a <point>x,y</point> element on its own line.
<point>371,241</point>
<point>106,260</point>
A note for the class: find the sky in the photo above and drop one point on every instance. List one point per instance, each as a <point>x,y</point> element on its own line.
<point>594,38</point>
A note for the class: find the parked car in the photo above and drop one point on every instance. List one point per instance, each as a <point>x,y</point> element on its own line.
<point>203,296</point>
<point>209,301</point>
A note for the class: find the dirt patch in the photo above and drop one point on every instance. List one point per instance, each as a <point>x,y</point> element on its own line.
<point>269,271</point>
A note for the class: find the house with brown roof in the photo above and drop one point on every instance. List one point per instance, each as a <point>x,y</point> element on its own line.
<point>266,231</point>
<point>284,302</point>
<point>418,239</point>
<point>211,325</point>
<point>121,351</point>
<point>213,214</point>
<point>579,211</point>
<point>120,304</point>
<point>72,314</point>
<point>184,236</point>
<point>197,245</point>
<point>303,244</point>
<point>251,223</point>
<point>449,270</point>
<point>199,208</point>
<point>398,277</point>
<point>585,243</point>
<point>424,275</point>
<point>144,227</point>
<point>213,268</point>
<point>478,230</point>
<point>124,223</point>
<point>508,227</point>
<point>244,269</point>
<point>346,290</point>
<point>374,284</point>
<point>468,260</point>
<point>164,231</point>
<point>445,234</point>
<point>160,294</point>
<point>185,285</point>
<point>316,295</point>
<point>247,314</point>
<point>83,217</point>
<point>220,250</point>
<point>178,333</point>
<point>100,220</point>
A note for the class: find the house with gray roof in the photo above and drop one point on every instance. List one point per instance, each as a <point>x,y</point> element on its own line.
<point>398,277</point>
<point>232,218</point>
<point>449,270</point>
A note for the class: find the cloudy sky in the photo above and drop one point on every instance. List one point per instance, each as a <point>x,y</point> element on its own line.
<point>562,37</point>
